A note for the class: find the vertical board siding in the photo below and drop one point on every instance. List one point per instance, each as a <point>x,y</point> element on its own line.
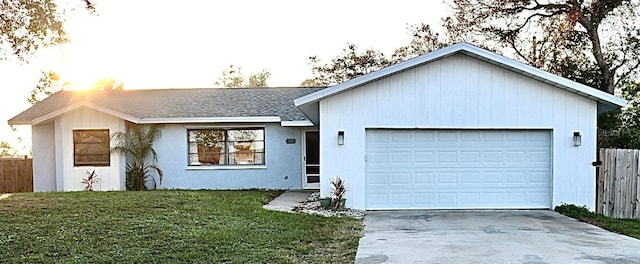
<point>16,175</point>
<point>69,177</point>
<point>43,140</point>
<point>461,92</point>
<point>618,183</point>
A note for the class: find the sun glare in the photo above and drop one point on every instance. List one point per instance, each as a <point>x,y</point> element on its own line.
<point>89,58</point>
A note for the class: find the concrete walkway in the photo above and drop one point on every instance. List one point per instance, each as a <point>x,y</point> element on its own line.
<point>286,201</point>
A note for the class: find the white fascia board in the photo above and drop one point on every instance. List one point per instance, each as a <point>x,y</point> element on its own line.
<point>300,123</point>
<point>478,53</point>
<point>240,119</point>
<point>75,106</point>
<point>19,123</point>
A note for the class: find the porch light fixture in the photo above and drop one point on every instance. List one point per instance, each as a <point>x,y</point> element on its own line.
<point>577,138</point>
<point>340,137</point>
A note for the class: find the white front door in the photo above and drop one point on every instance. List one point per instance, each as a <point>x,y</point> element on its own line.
<point>458,169</point>
<point>311,160</point>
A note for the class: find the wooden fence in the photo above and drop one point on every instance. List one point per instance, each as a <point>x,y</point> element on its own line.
<point>618,183</point>
<point>16,175</point>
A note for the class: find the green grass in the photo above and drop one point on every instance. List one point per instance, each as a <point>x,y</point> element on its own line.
<point>168,226</point>
<point>629,227</point>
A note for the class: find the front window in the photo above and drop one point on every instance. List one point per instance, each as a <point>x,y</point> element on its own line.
<point>91,147</point>
<point>226,146</point>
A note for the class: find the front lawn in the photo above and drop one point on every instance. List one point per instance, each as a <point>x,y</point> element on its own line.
<point>168,226</point>
<point>629,227</point>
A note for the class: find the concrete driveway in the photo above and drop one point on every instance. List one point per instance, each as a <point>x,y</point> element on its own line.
<point>512,236</point>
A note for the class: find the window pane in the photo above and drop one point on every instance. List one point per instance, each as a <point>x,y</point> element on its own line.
<point>92,160</point>
<point>91,147</point>
<point>211,154</point>
<point>91,136</point>
<point>245,135</point>
<point>206,136</point>
<point>226,146</point>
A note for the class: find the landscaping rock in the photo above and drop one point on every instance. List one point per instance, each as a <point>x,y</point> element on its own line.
<point>312,206</point>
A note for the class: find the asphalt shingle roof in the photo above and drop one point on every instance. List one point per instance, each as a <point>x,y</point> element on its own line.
<point>180,103</point>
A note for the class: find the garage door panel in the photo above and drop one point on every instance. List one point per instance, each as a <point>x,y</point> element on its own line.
<point>423,178</point>
<point>446,137</point>
<point>400,178</point>
<point>374,158</point>
<point>482,177</point>
<point>423,157</point>
<point>422,138</point>
<point>472,178</point>
<point>424,199</point>
<point>401,157</point>
<point>377,178</point>
<point>470,157</point>
<point>470,137</point>
<point>458,169</point>
<point>459,158</point>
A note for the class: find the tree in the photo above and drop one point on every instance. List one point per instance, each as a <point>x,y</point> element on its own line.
<point>350,64</point>
<point>423,41</point>
<point>259,79</point>
<point>137,144</point>
<point>50,83</point>
<point>107,83</point>
<point>309,83</point>
<point>234,78</point>
<point>548,34</point>
<point>26,26</point>
<point>6,150</point>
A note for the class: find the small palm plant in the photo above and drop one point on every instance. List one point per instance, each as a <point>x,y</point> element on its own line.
<point>338,191</point>
<point>88,182</point>
<point>137,144</point>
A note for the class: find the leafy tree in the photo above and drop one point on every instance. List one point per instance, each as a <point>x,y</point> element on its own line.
<point>137,144</point>
<point>108,83</point>
<point>259,79</point>
<point>234,78</point>
<point>350,64</point>
<point>48,84</point>
<point>6,150</point>
<point>621,128</point>
<point>424,40</point>
<point>547,34</point>
<point>309,83</point>
<point>51,83</point>
<point>26,26</point>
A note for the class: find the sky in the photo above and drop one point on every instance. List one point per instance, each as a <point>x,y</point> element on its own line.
<point>187,44</point>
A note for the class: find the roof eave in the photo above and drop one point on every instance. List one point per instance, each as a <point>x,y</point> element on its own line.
<point>237,119</point>
<point>12,122</point>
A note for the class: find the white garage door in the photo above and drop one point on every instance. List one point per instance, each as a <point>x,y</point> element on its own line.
<point>458,169</point>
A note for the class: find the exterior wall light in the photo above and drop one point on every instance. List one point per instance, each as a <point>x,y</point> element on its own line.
<point>340,137</point>
<point>577,138</point>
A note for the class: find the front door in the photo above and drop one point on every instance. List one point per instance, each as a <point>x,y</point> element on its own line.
<point>311,160</point>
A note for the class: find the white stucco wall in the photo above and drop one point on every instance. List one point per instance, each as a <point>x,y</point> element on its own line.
<point>44,158</point>
<point>460,92</point>
<point>69,177</point>
<point>283,169</point>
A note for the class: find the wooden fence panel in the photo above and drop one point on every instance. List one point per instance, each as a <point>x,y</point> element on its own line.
<point>618,183</point>
<point>16,175</point>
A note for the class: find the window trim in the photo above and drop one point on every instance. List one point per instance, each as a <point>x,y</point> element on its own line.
<point>90,164</point>
<point>227,166</point>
